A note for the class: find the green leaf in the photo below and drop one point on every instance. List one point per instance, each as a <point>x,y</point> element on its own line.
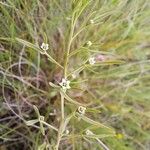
<point>99,136</point>
<point>86,119</point>
<point>28,44</point>
<point>37,111</point>
<point>53,85</point>
<point>70,99</point>
<point>31,122</point>
<point>38,49</point>
<point>42,146</point>
<point>67,121</point>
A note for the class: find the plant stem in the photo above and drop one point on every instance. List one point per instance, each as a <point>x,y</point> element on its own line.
<point>102,144</point>
<point>62,107</point>
<point>58,140</point>
<point>62,122</point>
<point>65,75</point>
<point>69,45</point>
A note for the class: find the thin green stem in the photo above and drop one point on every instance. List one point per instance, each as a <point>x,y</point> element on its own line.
<point>69,45</point>
<point>102,144</point>
<point>62,122</point>
<point>62,107</point>
<point>65,75</point>
<point>58,140</point>
<point>52,60</point>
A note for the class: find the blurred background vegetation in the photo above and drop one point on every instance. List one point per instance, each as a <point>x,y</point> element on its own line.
<point>116,90</point>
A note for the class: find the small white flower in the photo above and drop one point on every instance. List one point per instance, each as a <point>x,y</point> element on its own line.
<point>88,132</point>
<point>53,113</point>
<point>92,21</point>
<point>65,84</point>
<point>81,110</point>
<point>92,60</point>
<point>66,132</point>
<point>89,43</point>
<point>41,118</point>
<point>44,46</point>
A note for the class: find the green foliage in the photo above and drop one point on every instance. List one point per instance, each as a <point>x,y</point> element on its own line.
<point>36,112</point>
